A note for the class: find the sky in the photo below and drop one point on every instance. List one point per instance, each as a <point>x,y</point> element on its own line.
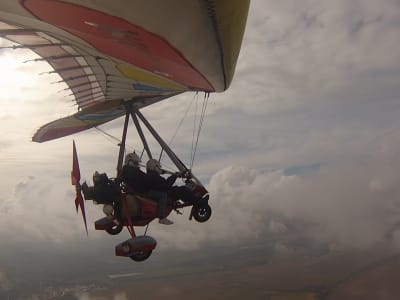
<point>305,143</point>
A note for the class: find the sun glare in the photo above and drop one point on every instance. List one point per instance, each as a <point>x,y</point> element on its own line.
<point>27,98</point>
<point>25,79</point>
<point>15,76</point>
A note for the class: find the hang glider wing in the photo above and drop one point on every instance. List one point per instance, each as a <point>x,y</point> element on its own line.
<point>137,51</point>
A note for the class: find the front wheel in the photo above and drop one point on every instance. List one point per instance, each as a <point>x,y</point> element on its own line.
<point>141,255</point>
<point>115,229</point>
<point>201,213</point>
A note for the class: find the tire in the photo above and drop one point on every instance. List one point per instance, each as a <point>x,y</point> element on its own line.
<point>115,229</point>
<point>141,255</point>
<point>201,213</point>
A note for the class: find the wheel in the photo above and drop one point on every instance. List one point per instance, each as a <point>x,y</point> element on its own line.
<point>141,255</point>
<point>115,229</point>
<point>201,213</point>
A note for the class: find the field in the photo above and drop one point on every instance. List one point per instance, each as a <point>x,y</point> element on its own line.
<point>351,275</point>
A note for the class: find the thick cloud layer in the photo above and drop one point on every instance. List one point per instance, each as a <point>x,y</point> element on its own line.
<point>354,204</point>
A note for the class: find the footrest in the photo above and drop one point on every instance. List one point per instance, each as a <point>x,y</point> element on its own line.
<point>103,223</point>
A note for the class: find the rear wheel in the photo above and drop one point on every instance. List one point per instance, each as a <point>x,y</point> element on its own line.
<point>201,213</point>
<point>115,229</point>
<point>141,255</point>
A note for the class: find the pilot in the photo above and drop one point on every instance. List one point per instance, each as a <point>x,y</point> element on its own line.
<point>159,187</point>
<point>132,175</point>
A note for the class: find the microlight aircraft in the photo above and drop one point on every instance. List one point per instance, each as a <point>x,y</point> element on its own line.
<point>117,57</point>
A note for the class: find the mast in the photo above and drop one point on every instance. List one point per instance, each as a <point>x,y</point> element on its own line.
<point>122,144</point>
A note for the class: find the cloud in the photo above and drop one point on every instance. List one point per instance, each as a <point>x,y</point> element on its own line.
<point>349,205</point>
<point>320,40</point>
<point>276,227</point>
<point>296,53</point>
<point>42,208</point>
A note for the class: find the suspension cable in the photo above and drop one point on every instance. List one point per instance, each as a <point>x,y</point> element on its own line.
<point>109,137</point>
<point>106,134</point>
<point>194,130</point>
<point>202,116</point>
<point>184,117</point>
<point>179,125</point>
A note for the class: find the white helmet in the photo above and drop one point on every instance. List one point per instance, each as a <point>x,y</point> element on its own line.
<point>153,165</point>
<point>132,159</point>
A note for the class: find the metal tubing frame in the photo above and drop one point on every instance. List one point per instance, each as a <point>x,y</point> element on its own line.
<point>122,144</point>
<point>141,135</point>
<point>135,113</point>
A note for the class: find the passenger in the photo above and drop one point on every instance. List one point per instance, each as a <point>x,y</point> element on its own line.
<point>158,188</point>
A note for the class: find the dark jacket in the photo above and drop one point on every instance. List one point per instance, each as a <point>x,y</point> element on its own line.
<point>158,183</point>
<point>135,179</point>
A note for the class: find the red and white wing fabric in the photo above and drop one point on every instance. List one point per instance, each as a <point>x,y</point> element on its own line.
<point>113,52</point>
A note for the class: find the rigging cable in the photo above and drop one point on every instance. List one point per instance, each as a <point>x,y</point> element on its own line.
<point>109,137</point>
<point>179,125</point>
<point>194,131</point>
<point>106,134</point>
<point>202,116</point>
